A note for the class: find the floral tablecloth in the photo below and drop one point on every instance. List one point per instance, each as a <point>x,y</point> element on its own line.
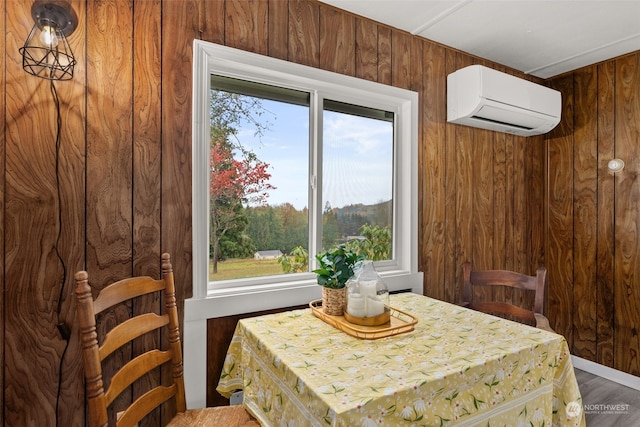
<point>458,367</point>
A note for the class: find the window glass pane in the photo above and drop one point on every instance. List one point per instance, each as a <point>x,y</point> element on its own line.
<point>357,183</point>
<point>259,180</point>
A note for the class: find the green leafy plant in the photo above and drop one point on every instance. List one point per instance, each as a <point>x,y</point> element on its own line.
<point>295,262</point>
<point>336,266</point>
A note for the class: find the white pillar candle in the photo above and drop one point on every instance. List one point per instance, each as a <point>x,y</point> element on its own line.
<point>356,312</point>
<point>368,288</point>
<point>375,307</point>
<point>356,305</point>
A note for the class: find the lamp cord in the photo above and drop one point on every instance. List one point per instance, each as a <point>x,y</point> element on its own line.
<point>61,325</point>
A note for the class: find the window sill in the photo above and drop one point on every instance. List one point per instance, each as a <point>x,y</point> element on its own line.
<point>248,299</point>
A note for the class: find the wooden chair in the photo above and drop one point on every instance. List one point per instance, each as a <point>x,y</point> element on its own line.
<point>507,281</point>
<point>119,340</point>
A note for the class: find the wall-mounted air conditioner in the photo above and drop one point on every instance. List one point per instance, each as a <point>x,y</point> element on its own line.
<point>485,98</point>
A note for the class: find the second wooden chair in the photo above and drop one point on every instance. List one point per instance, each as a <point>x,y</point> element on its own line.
<point>507,282</point>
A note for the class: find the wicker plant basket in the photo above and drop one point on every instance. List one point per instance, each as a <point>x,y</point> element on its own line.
<point>333,301</point>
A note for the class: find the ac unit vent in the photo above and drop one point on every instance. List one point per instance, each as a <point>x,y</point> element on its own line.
<point>500,123</point>
<point>482,97</point>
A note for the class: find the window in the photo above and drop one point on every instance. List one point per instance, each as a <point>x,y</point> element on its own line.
<point>260,189</point>
<point>345,158</point>
<point>259,193</point>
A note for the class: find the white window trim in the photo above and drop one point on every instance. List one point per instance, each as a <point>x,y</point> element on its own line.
<point>209,58</point>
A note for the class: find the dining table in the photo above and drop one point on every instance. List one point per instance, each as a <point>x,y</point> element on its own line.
<point>450,366</point>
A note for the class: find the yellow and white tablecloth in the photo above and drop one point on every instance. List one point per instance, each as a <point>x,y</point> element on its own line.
<point>458,367</point>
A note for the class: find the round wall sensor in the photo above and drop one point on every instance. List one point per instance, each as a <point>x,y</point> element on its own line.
<point>615,165</point>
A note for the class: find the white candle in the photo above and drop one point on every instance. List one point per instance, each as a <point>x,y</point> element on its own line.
<point>368,288</point>
<point>356,312</point>
<point>375,307</point>
<point>356,305</point>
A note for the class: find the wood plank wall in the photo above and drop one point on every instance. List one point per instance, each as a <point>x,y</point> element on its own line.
<point>3,90</point>
<point>593,236</point>
<point>125,181</point>
<point>125,173</point>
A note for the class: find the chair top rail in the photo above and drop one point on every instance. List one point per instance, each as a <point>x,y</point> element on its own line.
<point>504,278</point>
<point>124,290</point>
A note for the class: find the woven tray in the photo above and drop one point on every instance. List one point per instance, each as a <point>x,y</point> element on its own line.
<point>400,323</point>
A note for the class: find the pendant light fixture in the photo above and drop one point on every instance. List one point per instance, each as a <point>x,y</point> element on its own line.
<point>46,53</point>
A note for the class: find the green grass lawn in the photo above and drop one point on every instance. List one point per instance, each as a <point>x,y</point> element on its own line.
<point>240,268</point>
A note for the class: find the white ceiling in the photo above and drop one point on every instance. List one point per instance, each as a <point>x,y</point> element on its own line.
<point>543,38</point>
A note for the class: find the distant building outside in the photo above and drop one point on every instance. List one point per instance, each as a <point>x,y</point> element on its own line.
<point>275,254</point>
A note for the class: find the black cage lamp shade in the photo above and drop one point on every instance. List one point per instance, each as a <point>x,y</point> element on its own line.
<point>46,53</point>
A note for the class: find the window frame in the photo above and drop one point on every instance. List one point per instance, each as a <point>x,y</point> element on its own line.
<point>204,305</point>
<point>210,58</point>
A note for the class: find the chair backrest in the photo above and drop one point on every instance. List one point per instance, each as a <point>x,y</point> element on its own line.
<point>479,293</point>
<point>95,350</point>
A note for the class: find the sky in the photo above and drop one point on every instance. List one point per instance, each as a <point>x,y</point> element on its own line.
<point>358,156</point>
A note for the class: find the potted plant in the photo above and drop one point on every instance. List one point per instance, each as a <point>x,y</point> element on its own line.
<point>336,267</point>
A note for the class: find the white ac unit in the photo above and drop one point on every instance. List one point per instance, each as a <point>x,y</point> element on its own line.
<point>485,98</point>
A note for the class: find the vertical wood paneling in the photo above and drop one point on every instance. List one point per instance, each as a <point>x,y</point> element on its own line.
<point>533,188</point>
<point>179,28</point>
<point>481,210</point>
<point>452,272</point>
<point>499,200</point>
<point>433,171</point>
<point>304,30</point>
<point>510,189</point>
<point>109,141</point>
<point>278,29</point>
<point>366,50</point>
<point>180,25</point>
<point>512,169</point>
<point>560,214</point>
<point>593,245</point>
<point>337,41</point>
<point>246,25</point>
<point>211,19</point>
<point>400,59</point>
<point>73,173</point>
<point>147,136</point>
<point>147,194</point>
<point>3,90</point>
<point>605,213</point>
<point>33,273</point>
<point>520,206</point>
<point>627,216</point>
<point>584,213</point>
<point>415,71</point>
<point>536,203</point>
<point>501,197</point>
<point>498,249</point>
<point>482,203</point>
<point>109,222</point>
<point>463,194</point>
<point>384,55</point>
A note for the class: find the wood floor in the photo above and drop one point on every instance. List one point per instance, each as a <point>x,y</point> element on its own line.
<point>607,403</point>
